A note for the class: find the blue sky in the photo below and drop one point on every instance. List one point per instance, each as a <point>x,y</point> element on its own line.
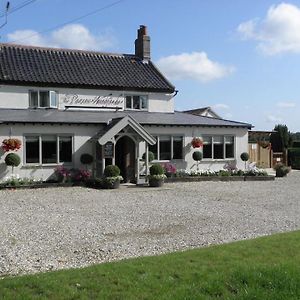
<point>242,58</point>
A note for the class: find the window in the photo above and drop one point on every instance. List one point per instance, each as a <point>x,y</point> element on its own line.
<point>164,147</point>
<point>136,102</point>
<point>177,147</point>
<point>65,149</point>
<point>32,149</point>
<point>218,147</point>
<point>229,147</point>
<point>167,147</point>
<point>43,99</point>
<point>48,149</point>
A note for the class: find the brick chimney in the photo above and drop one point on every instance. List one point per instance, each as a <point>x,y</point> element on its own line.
<point>142,43</point>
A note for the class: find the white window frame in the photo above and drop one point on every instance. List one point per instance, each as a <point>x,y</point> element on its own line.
<point>137,95</point>
<point>51,94</point>
<point>224,147</point>
<point>172,147</point>
<point>40,135</point>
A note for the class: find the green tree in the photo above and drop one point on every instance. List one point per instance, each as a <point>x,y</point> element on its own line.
<point>281,138</point>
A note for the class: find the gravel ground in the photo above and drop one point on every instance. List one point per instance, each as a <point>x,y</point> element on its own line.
<point>55,228</point>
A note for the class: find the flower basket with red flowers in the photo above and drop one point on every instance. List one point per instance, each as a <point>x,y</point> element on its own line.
<point>11,145</point>
<point>197,142</point>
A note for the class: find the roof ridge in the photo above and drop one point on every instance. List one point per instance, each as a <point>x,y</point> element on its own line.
<point>73,50</point>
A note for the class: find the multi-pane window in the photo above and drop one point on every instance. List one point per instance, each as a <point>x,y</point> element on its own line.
<point>48,149</point>
<point>43,99</point>
<point>136,102</point>
<point>167,147</point>
<point>218,147</point>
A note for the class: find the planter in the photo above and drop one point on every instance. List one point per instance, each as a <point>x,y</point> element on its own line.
<point>153,182</point>
<point>109,184</point>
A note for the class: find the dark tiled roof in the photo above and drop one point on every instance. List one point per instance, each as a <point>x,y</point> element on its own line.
<point>94,117</point>
<point>26,65</point>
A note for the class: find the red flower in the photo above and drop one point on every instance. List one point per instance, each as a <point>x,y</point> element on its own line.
<point>11,145</point>
<point>197,142</point>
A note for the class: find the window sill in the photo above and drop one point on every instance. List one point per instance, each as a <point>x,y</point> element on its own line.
<point>218,160</point>
<point>29,166</point>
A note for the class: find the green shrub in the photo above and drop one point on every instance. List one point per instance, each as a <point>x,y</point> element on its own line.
<point>156,169</point>
<point>95,183</point>
<point>111,171</point>
<point>86,159</point>
<point>244,156</point>
<point>197,156</point>
<point>150,156</point>
<point>12,159</point>
<point>224,173</point>
<point>281,170</point>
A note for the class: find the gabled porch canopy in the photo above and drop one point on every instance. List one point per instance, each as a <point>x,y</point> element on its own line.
<point>120,125</point>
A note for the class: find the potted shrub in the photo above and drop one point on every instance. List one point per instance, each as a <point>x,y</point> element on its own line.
<point>197,142</point>
<point>150,156</point>
<point>13,160</point>
<point>245,157</point>
<point>112,177</point>
<point>157,176</point>
<point>281,170</point>
<point>197,156</point>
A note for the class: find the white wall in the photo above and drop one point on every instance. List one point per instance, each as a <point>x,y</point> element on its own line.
<point>241,144</point>
<point>81,136</point>
<point>17,97</point>
<point>82,144</point>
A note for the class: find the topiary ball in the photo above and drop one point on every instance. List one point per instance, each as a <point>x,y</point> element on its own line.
<point>197,156</point>
<point>244,156</point>
<point>12,159</point>
<point>156,169</point>
<point>86,159</point>
<point>111,171</point>
<point>150,156</point>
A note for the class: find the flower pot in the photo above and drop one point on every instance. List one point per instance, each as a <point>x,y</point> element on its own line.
<point>153,182</point>
<point>109,184</point>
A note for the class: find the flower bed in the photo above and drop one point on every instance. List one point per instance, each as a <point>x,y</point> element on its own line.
<point>222,175</point>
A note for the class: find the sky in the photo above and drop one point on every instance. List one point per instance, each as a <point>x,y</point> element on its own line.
<point>240,57</point>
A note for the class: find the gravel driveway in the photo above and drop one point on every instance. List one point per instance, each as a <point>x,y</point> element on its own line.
<point>47,229</point>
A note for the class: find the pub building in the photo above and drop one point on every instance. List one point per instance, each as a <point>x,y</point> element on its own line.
<point>62,103</point>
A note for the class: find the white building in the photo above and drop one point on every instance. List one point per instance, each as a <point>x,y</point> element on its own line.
<point>62,103</point>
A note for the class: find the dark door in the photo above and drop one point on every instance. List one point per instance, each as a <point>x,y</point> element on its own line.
<point>125,158</point>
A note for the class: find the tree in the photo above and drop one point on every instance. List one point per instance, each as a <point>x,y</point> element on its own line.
<point>281,138</point>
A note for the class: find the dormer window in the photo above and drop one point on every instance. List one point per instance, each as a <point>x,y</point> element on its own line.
<point>43,99</point>
<point>136,102</point>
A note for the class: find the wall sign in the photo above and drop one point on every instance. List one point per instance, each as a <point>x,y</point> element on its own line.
<point>113,101</point>
<point>108,150</point>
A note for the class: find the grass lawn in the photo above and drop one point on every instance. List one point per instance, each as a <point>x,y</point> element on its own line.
<point>263,268</point>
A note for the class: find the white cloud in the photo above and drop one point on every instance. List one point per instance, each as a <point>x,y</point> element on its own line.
<point>195,65</point>
<point>286,104</point>
<point>220,106</point>
<point>278,32</point>
<point>70,36</point>
<point>273,119</point>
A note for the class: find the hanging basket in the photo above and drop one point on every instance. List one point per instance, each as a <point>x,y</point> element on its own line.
<point>11,145</point>
<point>197,142</point>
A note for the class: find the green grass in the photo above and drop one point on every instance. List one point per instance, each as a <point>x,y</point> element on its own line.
<point>263,268</point>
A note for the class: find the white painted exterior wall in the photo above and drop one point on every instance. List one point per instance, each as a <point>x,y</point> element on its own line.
<point>240,140</point>
<point>81,144</point>
<point>18,97</point>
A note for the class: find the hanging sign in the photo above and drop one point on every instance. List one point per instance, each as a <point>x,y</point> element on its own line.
<point>108,150</point>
